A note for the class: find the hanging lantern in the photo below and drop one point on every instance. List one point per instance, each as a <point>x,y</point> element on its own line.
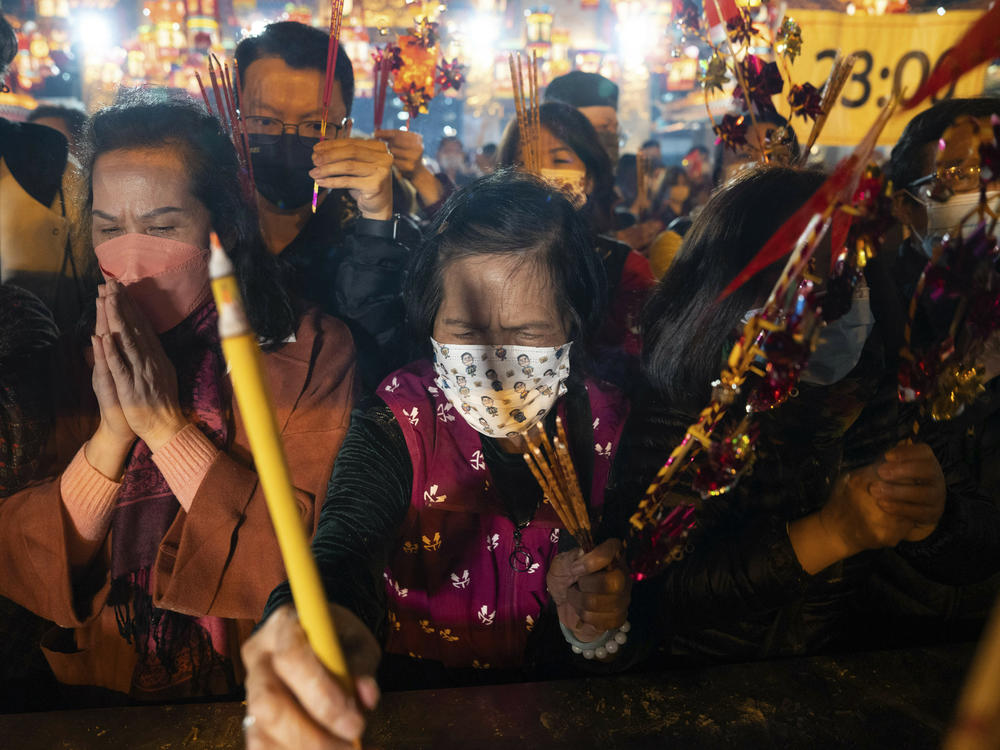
<point>539,27</point>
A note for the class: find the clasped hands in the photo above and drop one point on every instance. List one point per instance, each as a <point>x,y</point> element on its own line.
<point>900,498</point>
<point>134,381</point>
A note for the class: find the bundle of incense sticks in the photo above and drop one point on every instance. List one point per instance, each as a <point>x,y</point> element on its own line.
<point>553,469</point>
<point>333,46</point>
<point>642,198</point>
<point>528,117</point>
<point>380,82</point>
<point>228,95</point>
<point>841,72</point>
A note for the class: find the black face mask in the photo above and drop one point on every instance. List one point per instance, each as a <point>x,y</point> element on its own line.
<point>281,170</point>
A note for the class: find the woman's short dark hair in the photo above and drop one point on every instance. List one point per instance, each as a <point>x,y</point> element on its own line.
<point>74,115</point>
<point>686,331</point>
<point>510,213</point>
<point>300,47</point>
<point>572,128</point>
<point>155,118</point>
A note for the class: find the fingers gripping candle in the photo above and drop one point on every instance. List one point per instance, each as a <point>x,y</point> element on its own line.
<point>239,345</point>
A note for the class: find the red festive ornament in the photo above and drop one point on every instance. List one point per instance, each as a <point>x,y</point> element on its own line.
<point>806,101</point>
<point>731,131</point>
<point>763,80</point>
<point>449,75</point>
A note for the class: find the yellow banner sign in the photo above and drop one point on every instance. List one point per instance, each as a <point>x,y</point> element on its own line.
<point>892,49</point>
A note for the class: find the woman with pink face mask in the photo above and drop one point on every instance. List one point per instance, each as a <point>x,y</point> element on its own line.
<point>153,548</point>
<point>434,537</point>
<point>573,160</point>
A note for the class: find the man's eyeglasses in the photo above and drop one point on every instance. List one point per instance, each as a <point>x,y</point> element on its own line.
<point>944,182</point>
<point>270,129</point>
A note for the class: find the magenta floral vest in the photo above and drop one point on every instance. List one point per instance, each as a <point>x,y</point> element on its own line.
<point>452,594</point>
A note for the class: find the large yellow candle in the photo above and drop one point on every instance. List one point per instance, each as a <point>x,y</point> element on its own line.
<point>239,345</point>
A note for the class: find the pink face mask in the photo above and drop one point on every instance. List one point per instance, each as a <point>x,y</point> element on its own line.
<point>167,279</point>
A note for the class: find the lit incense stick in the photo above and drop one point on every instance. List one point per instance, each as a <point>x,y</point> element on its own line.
<point>333,46</point>
<point>841,71</point>
<point>527,110</point>
<point>239,345</point>
<point>380,81</point>
<point>551,465</point>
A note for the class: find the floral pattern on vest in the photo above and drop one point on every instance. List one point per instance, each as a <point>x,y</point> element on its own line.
<point>453,594</point>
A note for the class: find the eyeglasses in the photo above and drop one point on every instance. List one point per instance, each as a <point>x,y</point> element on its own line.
<point>944,182</point>
<point>270,129</point>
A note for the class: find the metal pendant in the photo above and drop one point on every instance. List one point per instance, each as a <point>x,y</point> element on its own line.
<point>520,559</point>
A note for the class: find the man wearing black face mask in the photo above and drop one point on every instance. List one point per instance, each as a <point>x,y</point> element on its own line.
<point>346,256</point>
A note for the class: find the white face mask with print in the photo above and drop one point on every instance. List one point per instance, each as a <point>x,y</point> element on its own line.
<point>501,391</point>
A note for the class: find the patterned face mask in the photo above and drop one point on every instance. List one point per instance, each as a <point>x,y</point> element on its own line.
<point>572,182</point>
<point>501,391</point>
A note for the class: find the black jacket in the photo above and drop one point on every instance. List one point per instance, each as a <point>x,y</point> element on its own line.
<point>353,268</point>
<point>740,592</point>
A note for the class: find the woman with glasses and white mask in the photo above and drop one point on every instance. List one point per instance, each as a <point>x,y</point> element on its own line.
<point>937,180</point>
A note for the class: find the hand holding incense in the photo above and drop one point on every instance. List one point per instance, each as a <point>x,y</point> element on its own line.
<point>239,345</point>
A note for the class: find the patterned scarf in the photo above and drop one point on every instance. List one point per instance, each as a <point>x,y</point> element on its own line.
<point>173,648</point>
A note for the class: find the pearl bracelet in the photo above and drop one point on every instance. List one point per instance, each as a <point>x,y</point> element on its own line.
<point>607,644</point>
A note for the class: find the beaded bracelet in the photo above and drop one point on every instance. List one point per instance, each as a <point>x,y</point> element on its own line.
<point>607,644</point>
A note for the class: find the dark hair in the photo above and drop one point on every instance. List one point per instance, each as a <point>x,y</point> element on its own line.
<point>927,127</point>
<point>74,116</point>
<point>8,46</point>
<point>685,329</point>
<point>651,143</point>
<point>488,149</point>
<point>572,128</point>
<point>154,118</point>
<point>765,118</point>
<point>510,213</point>
<point>674,175</point>
<point>300,47</point>
<point>451,139</point>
